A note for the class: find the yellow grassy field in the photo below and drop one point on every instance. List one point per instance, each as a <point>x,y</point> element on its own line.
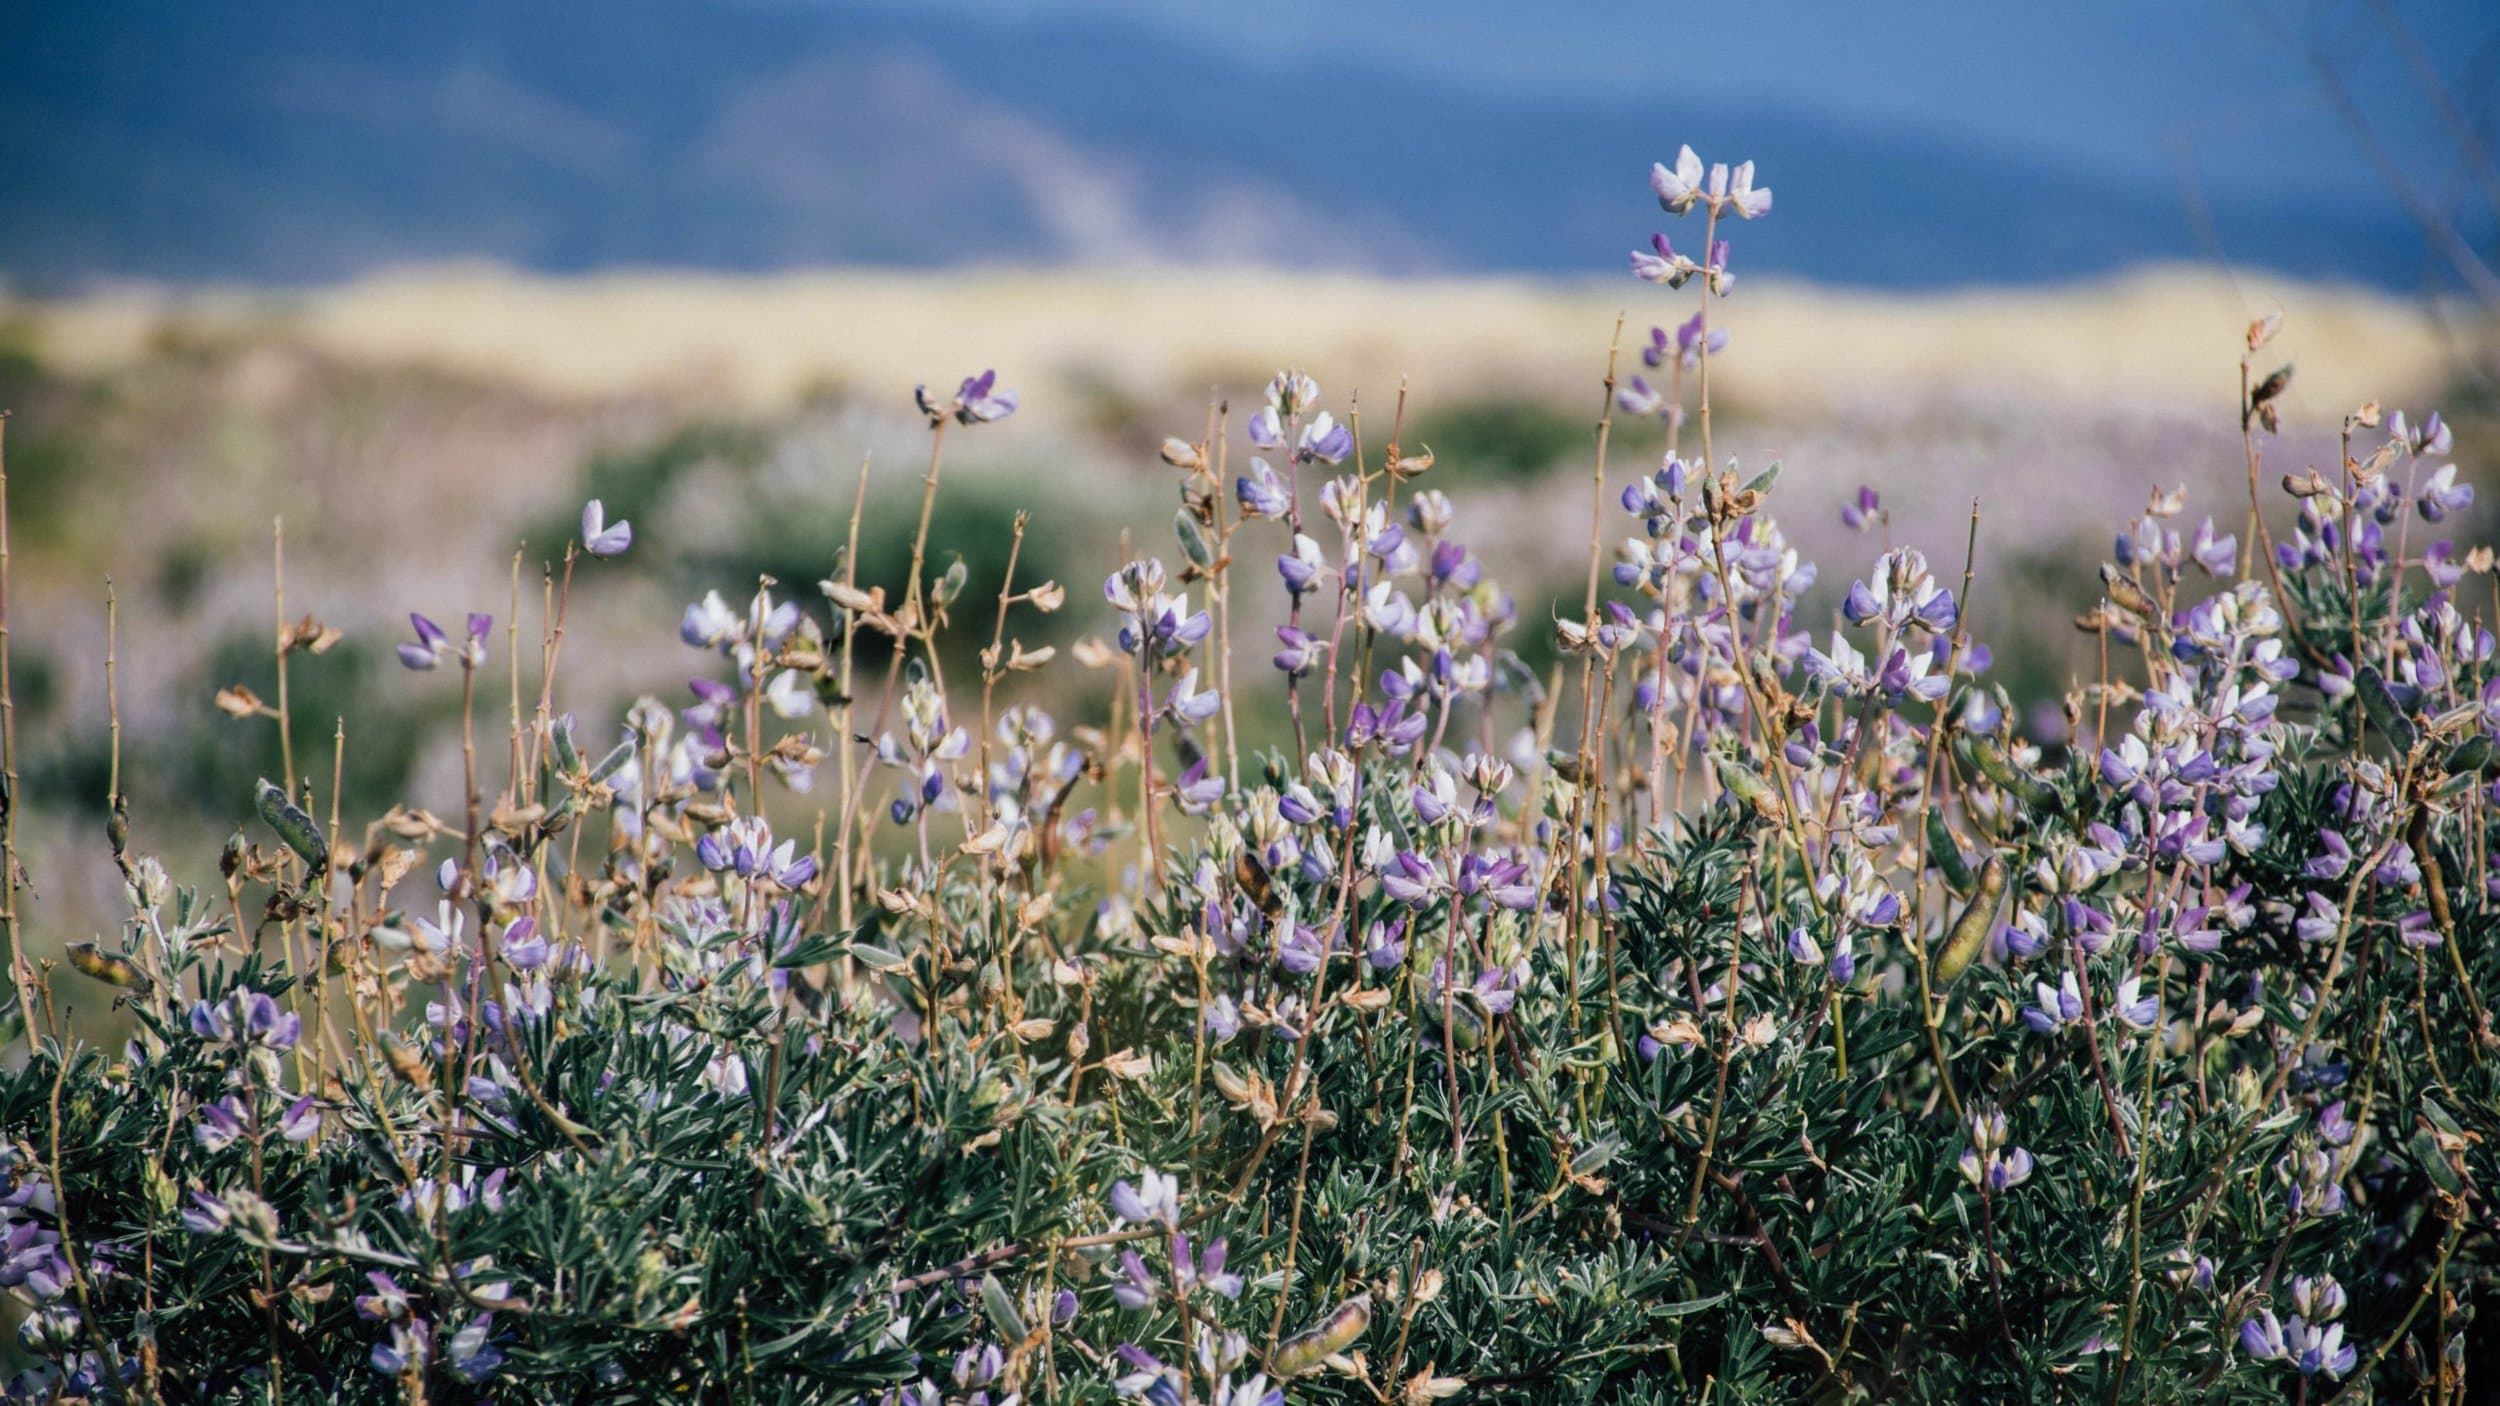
<point>2164,338</point>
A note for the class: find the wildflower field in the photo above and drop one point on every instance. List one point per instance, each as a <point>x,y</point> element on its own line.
<point>1277,966</point>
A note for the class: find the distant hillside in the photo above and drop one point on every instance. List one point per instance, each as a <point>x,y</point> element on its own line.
<point>305,140</point>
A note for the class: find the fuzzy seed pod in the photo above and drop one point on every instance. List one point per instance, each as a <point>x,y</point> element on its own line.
<point>1945,854</point>
<point>1334,1334</point>
<point>613,762</point>
<point>1969,932</point>
<point>293,825</point>
<point>108,967</point>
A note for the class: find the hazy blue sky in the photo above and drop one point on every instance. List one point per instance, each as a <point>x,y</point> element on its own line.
<point>2110,85</point>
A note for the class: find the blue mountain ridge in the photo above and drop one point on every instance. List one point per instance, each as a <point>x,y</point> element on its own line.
<point>294,142</point>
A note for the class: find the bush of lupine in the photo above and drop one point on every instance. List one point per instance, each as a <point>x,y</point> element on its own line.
<point>1730,1009</point>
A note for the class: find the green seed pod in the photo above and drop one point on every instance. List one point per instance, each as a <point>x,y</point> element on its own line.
<point>2475,754</point>
<point>295,827</point>
<point>1002,1311</point>
<point>614,761</point>
<point>560,733</point>
<point>2125,593</point>
<point>2029,789</point>
<point>2378,703</point>
<point>1305,1351</point>
<point>1969,932</point>
<point>108,967</point>
<point>1744,785</point>
<point>1945,854</point>
<point>1193,539</point>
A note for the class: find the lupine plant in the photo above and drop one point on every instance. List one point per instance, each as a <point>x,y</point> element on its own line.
<point>1741,1005</point>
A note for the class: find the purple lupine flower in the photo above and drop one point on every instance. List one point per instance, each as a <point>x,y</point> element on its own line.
<point>406,1347</point>
<point>1663,264</point>
<point>2217,554</point>
<point>1638,397</point>
<point>2332,863</point>
<point>1454,566</point>
<point>1147,1378</point>
<point>1394,726</point>
<point>1197,791</point>
<point>2418,930</point>
<point>1300,950</point>
<point>1677,190</point>
<point>2317,1348</point>
<point>1261,493</point>
<point>977,1367</point>
<point>744,847</point>
<point>1327,441</point>
<point>1410,879</point>
<point>523,947</point>
<point>1435,796</point>
<point>2318,1297</point>
<point>1136,1288</point>
<point>1154,1198</point>
<point>600,537</point>
<point>1188,704</point>
<point>2428,438</point>
<point>2142,1012</point>
<point>1998,1171</point>
<point>1384,944</point>
<point>1203,1270</point>
<point>1695,339</point>
<point>2334,1125</point>
<point>247,1019</point>
<point>978,401</point>
<point>388,1303</point>
<point>1864,511</point>
<point>1221,1019</point>
<point>2261,1337</point>
<point>206,1215</point>
<point>2398,870</point>
<point>302,1120</point>
<point>2441,494</point>
<point>471,1354</point>
<point>1300,654</point>
<point>427,650</point>
<point>2059,1006</point>
<point>1844,963</point>
<point>220,1123</point>
<point>432,647</point>
<point>1748,202</point>
<point>1302,566</point>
